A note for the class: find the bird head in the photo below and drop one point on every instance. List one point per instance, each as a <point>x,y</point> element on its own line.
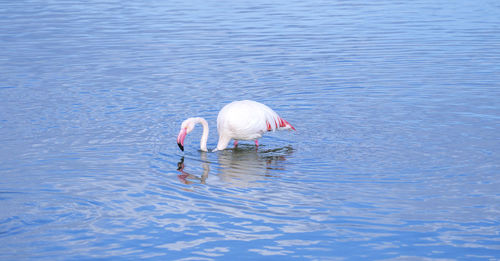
<point>186,127</point>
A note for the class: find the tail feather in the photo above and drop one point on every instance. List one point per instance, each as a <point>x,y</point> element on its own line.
<point>279,124</point>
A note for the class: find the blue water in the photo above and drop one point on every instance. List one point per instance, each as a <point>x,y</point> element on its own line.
<point>395,157</point>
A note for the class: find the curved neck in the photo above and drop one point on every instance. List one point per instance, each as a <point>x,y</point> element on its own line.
<point>204,136</point>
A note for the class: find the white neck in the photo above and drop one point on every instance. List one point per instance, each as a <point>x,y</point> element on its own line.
<point>204,136</point>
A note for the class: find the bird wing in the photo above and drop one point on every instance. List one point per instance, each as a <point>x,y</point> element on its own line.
<point>247,120</point>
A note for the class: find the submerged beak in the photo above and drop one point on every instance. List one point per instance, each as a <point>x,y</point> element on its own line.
<point>180,138</point>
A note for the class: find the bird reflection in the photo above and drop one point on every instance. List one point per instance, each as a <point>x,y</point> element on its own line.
<point>241,167</point>
<point>188,178</point>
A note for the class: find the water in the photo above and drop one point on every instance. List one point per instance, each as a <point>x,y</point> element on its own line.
<point>395,154</point>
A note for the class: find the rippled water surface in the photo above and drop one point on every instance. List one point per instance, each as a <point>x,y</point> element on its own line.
<point>396,153</point>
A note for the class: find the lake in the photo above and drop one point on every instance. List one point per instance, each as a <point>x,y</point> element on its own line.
<point>395,154</point>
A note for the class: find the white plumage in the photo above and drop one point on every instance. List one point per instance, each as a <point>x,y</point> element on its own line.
<point>238,120</point>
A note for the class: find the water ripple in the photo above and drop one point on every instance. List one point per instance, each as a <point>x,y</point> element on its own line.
<point>395,153</point>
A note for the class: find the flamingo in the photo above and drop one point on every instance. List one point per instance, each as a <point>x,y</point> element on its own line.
<point>238,120</point>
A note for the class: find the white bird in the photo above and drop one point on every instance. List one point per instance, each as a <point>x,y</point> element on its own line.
<point>238,120</point>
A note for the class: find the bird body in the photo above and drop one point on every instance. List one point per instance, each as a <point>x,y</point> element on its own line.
<point>238,120</point>
<point>246,120</point>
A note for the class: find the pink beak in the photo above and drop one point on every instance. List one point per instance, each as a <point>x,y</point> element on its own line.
<point>180,138</point>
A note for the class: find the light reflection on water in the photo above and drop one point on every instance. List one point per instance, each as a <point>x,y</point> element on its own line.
<point>395,154</point>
